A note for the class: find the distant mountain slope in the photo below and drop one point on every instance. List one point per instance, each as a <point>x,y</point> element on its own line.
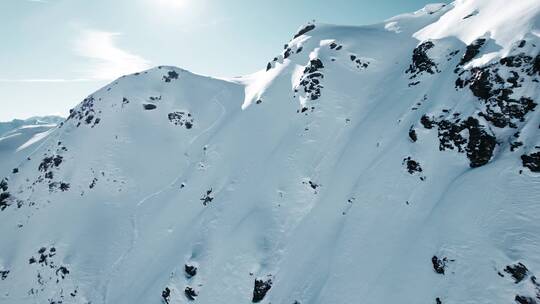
<point>18,123</point>
<point>392,163</point>
<point>19,136</point>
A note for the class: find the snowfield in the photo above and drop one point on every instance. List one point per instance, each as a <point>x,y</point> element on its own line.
<point>391,163</point>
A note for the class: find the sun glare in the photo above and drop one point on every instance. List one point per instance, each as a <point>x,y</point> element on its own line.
<point>172,4</point>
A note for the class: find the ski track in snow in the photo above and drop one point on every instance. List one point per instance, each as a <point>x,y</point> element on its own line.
<point>134,217</point>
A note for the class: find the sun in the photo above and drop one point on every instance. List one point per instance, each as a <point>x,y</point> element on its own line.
<point>172,4</point>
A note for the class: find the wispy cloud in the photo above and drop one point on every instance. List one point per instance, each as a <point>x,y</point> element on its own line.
<point>45,80</point>
<point>108,60</point>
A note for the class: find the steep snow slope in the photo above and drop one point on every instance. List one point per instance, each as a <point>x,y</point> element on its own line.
<point>397,162</point>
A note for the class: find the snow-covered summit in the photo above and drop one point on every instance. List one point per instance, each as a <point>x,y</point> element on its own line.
<point>395,162</point>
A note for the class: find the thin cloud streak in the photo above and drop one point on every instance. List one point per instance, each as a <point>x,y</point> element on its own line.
<point>45,80</point>
<point>108,60</point>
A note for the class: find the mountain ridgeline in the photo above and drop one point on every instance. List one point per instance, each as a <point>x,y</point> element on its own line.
<point>392,163</point>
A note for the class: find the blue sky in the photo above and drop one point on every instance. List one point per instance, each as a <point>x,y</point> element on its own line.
<point>53,53</point>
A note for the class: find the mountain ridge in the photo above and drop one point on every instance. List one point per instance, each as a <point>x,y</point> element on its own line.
<point>361,165</point>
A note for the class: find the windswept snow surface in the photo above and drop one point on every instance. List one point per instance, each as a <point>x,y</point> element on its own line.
<point>391,163</point>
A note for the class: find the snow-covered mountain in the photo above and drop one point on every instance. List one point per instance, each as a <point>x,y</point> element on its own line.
<point>19,136</point>
<point>391,163</point>
<point>33,121</point>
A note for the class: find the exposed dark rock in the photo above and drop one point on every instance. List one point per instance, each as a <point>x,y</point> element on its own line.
<point>4,200</point>
<point>15,170</point>
<point>62,272</point>
<point>421,62</point>
<point>4,274</point>
<point>85,112</point>
<point>170,76</point>
<point>93,183</point>
<point>180,118</point>
<point>149,106</point>
<point>438,301</point>
<point>310,81</point>
<point>166,295</point>
<point>304,30</point>
<point>287,53</point>
<point>190,293</point>
<point>518,271</point>
<point>479,145</point>
<point>412,165</point>
<point>531,161</point>
<point>501,109</point>
<point>207,198</point>
<point>64,186</point>
<point>524,300</point>
<point>412,134</point>
<point>268,66</point>
<point>50,162</point>
<point>3,185</point>
<point>472,51</point>
<point>260,289</point>
<point>439,265</point>
<point>470,15</point>
<point>190,270</point>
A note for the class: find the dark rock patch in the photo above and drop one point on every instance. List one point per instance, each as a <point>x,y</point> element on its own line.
<point>310,82</point>
<point>62,271</point>
<point>180,118</point>
<point>84,113</point>
<point>472,51</point>
<point>260,289</point>
<point>479,145</point>
<point>149,106</point>
<point>518,271</point>
<point>304,30</point>
<point>207,198</point>
<point>413,167</point>
<point>190,293</point>
<point>524,300</point>
<point>421,62</point>
<point>470,15</point>
<point>5,196</point>
<point>412,134</point>
<point>170,76</point>
<point>62,186</point>
<point>531,161</point>
<point>496,92</point>
<point>4,274</point>
<point>50,162</point>
<point>166,295</point>
<point>190,271</point>
<point>439,265</point>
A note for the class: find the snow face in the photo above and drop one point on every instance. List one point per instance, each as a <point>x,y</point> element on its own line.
<point>361,165</point>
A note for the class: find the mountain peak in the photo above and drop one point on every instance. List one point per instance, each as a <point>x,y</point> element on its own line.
<point>359,156</point>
